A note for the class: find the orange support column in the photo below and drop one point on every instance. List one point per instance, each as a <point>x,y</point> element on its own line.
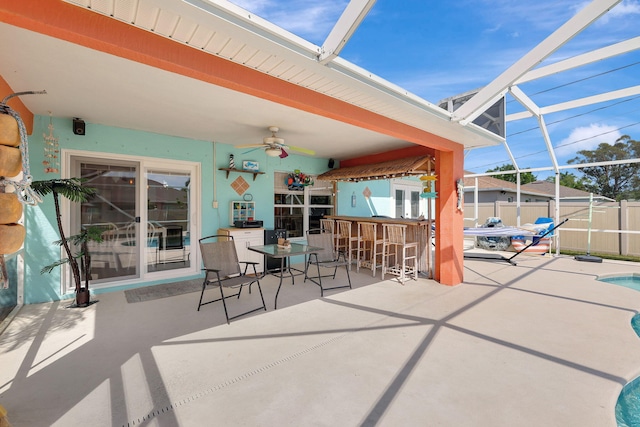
<point>16,105</point>
<point>449,220</point>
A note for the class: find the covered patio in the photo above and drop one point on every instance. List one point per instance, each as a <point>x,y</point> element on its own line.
<point>543,343</point>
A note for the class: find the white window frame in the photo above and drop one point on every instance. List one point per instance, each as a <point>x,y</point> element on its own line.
<point>319,187</point>
<point>145,165</point>
<point>407,185</point>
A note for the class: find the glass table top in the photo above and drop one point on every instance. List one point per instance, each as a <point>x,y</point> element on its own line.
<point>276,251</point>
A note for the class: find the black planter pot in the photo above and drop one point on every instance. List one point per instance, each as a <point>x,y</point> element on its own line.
<point>83,297</point>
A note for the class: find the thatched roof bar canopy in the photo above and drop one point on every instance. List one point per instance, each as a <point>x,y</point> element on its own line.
<point>408,166</point>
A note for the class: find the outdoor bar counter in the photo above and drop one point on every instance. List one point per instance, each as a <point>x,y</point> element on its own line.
<point>417,231</point>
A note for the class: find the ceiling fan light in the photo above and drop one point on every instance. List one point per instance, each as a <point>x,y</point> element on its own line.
<point>273,152</point>
<point>273,140</point>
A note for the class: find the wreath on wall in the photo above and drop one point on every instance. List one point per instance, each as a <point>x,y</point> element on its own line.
<point>297,180</point>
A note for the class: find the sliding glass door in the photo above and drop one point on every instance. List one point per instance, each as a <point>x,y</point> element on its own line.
<point>114,210</point>
<point>145,211</point>
<point>168,236</point>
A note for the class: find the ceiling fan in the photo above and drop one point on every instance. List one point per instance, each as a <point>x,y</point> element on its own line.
<point>274,146</point>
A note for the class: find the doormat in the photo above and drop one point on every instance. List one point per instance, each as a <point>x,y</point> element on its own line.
<point>148,293</point>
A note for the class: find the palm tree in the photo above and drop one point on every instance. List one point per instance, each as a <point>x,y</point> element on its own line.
<point>74,190</point>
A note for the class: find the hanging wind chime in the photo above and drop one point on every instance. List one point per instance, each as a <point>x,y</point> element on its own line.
<point>51,160</point>
<point>429,186</point>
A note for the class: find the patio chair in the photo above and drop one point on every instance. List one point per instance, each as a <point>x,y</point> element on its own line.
<point>328,226</point>
<point>327,258</point>
<point>222,269</point>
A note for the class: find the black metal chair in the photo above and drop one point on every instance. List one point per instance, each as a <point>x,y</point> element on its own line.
<point>222,269</point>
<point>327,258</point>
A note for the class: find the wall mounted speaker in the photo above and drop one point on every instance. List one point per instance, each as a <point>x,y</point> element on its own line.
<point>331,163</point>
<point>78,126</point>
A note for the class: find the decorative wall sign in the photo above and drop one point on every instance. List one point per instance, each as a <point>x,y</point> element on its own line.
<point>429,186</point>
<point>240,185</point>
<point>250,165</point>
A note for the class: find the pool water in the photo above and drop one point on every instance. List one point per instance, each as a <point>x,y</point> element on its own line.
<point>632,281</point>
<point>628,404</point>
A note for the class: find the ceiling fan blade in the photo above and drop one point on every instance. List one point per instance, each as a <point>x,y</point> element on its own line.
<point>302,150</point>
<point>249,151</point>
<point>251,146</point>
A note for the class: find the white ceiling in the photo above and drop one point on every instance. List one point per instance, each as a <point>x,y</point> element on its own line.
<point>104,89</point>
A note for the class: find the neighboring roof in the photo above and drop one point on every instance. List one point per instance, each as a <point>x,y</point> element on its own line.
<point>538,188</point>
<point>417,165</point>
<point>486,183</point>
<point>547,187</point>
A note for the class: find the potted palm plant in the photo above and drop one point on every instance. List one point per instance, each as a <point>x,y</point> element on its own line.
<point>74,190</point>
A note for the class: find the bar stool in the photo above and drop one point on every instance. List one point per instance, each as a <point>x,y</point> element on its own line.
<point>395,245</point>
<point>368,241</point>
<point>344,240</point>
<point>327,225</point>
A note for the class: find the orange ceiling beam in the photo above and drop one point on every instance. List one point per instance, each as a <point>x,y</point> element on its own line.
<point>74,24</point>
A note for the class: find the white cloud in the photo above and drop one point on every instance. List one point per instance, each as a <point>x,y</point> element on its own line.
<point>493,30</point>
<point>586,138</point>
<point>622,10</point>
<point>310,20</point>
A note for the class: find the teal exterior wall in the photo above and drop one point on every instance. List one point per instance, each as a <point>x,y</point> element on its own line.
<point>262,188</point>
<point>41,223</point>
<point>377,204</point>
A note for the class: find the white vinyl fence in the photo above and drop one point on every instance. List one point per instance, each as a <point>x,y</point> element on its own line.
<point>615,227</point>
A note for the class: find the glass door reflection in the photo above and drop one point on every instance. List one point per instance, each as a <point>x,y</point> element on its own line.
<point>168,244</point>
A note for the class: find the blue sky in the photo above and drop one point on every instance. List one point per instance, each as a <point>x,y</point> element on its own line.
<point>437,49</point>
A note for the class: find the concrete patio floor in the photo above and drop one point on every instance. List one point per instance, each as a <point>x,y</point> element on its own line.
<point>538,344</point>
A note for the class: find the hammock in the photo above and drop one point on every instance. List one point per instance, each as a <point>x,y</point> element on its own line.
<point>499,231</point>
<point>516,231</point>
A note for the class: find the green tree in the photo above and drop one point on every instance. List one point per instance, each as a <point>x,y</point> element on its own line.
<point>525,177</point>
<point>568,179</point>
<point>615,181</point>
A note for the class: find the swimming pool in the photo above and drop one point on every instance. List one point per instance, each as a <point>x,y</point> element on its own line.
<point>628,281</point>
<point>628,404</point>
